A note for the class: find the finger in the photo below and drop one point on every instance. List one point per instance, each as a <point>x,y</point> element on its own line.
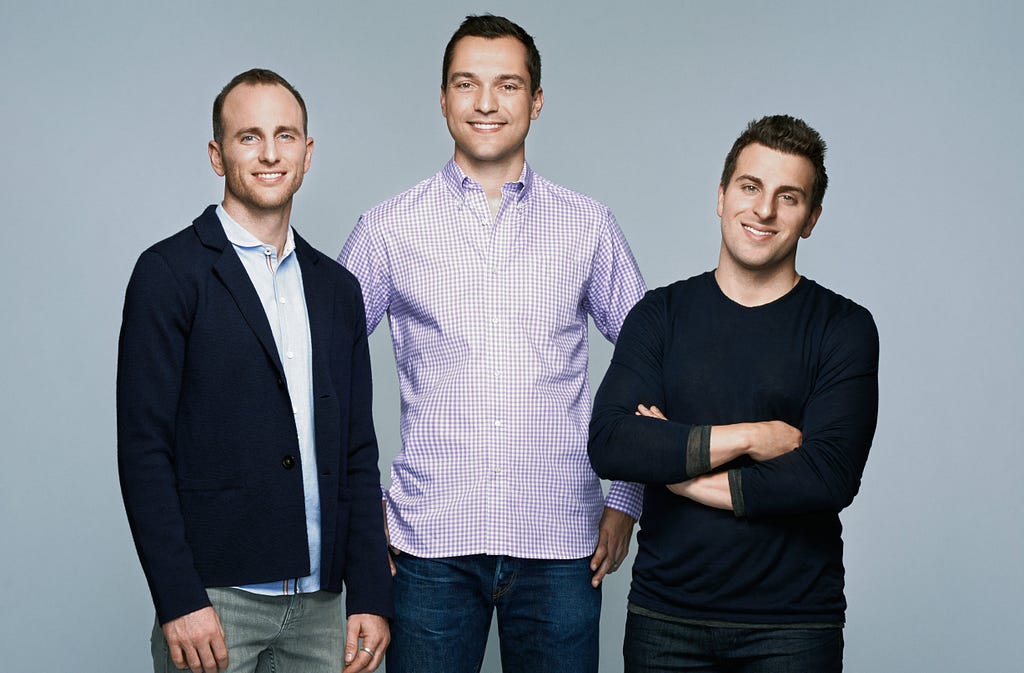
<point>177,656</point>
<point>220,652</point>
<point>656,412</point>
<point>351,642</point>
<point>195,664</point>
<point>206,658</point>
<point>600,554</point>
<point>604,569</point>
<point>391,562</point>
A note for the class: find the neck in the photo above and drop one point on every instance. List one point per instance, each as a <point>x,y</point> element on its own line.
<point>754,287</point>
<point>269,226</point>
<point>492,175</point>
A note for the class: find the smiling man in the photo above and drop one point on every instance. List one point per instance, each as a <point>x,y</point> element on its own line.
<point>746,399</point>
<point>488,273</point>
<point>246,447</point>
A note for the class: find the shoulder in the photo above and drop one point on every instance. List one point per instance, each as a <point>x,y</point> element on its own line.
<point>430,194</point>
<point>847,326</point>
<point>583,207</point>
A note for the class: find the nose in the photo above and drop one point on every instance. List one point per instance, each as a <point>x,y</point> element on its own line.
<point>268,151</point>
<point>765,207</point>
<point>486,101</point>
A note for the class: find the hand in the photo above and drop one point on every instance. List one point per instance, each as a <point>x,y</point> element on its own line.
<point>650,412</point>
<point>392,552</point>
<point>196,641</point>
<point>375,635</point>
<point>771,439</point>
<point>613,534</point>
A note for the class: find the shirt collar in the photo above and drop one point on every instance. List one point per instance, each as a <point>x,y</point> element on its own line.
<point>458,182</point>
<point>241,237</point>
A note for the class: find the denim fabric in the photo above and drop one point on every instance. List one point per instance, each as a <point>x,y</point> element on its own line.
<point>301,633</point>
<point>548,614</point>
<point>657,646</point>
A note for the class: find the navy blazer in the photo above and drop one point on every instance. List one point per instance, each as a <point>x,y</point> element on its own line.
<point>208,451</point>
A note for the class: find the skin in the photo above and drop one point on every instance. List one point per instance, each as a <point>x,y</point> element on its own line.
<point>488,106</point>
<point>262,135</point>
<point>263,157</point>
<point>765,209</point>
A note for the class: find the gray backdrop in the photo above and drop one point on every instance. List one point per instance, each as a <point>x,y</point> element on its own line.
<point>105,114</point>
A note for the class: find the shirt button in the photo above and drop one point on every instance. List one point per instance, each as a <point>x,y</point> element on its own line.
<point>282,300</point>
<point>295,410</point>
<point>497,372</point>
<point>497,424</point>
<point>494,321</point>
<point>290,355</point>
<point>288,461</point>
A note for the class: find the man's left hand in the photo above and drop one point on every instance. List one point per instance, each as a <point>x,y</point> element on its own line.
<point>375,635</point>
<point>614,532</point>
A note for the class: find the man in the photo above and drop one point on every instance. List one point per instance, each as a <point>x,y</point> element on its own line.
<point>739,566</point>
<point>246,447</point>
<point>487,272</point>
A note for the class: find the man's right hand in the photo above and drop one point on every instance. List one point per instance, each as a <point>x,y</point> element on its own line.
<point>770,439</point>
<point>196,642</point>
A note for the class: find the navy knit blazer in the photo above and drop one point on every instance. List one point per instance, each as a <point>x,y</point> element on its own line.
<point>208,451</point>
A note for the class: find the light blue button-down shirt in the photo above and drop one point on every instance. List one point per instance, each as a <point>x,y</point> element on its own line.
<point>278,282</point>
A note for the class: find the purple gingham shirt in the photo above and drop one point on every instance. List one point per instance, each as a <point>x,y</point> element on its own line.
<point>489,324</point>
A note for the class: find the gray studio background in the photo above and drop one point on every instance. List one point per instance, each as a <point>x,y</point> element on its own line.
<point>105,118</point>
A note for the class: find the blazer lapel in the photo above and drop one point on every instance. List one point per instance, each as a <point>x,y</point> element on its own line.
<point>231,272</point>
<point>319,291</point>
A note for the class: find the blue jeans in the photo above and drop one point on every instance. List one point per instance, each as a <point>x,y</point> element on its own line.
<point>548,614</point>
<point>656,645</point>
<point>301,633</point>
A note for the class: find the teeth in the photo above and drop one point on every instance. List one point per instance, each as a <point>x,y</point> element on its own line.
<point>486,126</point>
<point>269,176</point>
<point>755,232</point>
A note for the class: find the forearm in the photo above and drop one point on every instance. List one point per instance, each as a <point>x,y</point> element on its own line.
<point>712,490</point>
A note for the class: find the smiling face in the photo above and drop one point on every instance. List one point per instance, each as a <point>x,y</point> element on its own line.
<point>264,152</point>
<point>765,210</point>
<point>488,105</point>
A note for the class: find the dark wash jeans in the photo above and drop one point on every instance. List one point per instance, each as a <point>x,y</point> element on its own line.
<point>548,614</point>
<point>655,645</point>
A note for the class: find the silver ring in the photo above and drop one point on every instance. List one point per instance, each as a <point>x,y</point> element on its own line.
<point>367,650</point>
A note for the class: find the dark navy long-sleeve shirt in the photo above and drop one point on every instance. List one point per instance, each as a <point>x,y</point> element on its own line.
<point>810,358</point>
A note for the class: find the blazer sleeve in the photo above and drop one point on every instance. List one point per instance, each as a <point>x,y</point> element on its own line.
<point>368,582</point>
<point>151,355</point>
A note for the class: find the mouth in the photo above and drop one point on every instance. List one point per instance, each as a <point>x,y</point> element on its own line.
<point>758,233</point>
<point>485,126</point>
<point>269,177</point>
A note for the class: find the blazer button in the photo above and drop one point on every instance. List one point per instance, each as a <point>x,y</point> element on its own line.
<point>280,382</point>
<point>288,462</point>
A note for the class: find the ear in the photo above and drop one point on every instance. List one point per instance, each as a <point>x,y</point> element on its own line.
<point>538,103</point>
<point>215,157</point>
<point>444,104</point>
<point>721,199</point>
<point>811,221</point>
<point>309,155</point>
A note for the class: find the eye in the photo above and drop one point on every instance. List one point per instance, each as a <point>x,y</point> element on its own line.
<point>749,188</point>
<point>788,198</point>
<point>248,139</point>
<point>509,88</point>
<point>285,136</point>
<point>463,86</point>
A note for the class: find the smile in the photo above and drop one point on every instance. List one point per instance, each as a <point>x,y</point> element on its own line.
<point>759,233</point>
<point>269,176</point>
<point>484,127</point>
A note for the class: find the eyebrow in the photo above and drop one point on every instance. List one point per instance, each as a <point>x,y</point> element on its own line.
<point>500,78</point>
<point>256,131</point>
<point>760,183</point>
